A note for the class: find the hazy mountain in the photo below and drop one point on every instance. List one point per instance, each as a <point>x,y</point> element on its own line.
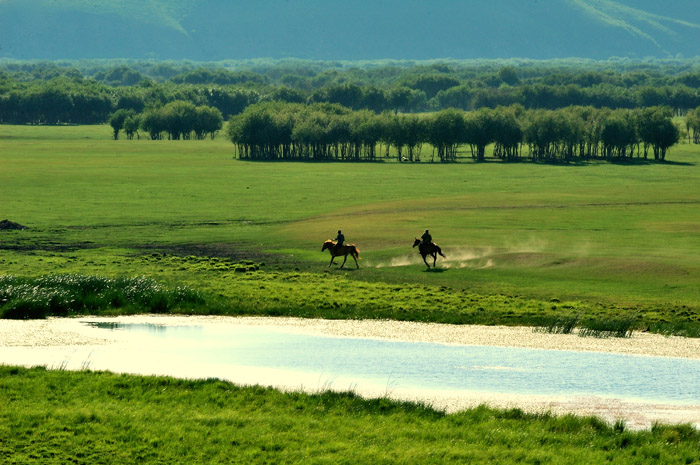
<point>361,29</point>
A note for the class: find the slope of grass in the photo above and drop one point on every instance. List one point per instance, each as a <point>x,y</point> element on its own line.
<point>165,14</point>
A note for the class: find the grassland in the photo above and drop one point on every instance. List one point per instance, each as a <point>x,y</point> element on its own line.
<point>527,244</point>
<point>525,241</point>
<point>59,417</point>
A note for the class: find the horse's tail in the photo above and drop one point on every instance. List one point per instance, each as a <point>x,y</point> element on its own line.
<point>357,251</point>
<point>439,251</point>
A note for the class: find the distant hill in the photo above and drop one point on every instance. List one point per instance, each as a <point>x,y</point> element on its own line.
<point>349,30</point>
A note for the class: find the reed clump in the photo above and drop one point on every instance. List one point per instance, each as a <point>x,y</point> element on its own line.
<point>601,327</point>
<point>564,324</point>
<point>71,294</point>
<point>613,327</point>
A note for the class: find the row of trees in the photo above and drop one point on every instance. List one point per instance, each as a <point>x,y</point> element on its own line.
<point>53,104</point>
<point>432,79</point>
<point>680,98</point>
<point>177,120</point>
<point>692,124</point>
<point>71,99</point>
<point>331,132</point>
<point>63,101</point>
<point>310,75</point>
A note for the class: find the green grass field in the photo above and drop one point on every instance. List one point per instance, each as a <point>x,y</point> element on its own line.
<point>56,417</point>
<point>527,244</point>
<point>593,238</point>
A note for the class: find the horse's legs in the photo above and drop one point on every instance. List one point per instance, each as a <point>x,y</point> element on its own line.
<point>332,259</point>
<point>354,257</point>
<point>434,259</point>
<point>344,259</point>
<point>425,261</point>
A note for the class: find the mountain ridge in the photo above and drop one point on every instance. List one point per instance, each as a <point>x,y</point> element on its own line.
<point>330,29</point>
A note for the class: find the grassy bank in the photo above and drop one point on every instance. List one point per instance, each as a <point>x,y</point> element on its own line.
<point>244,288</point>
<point>59,417</point>
<point>524,241</point>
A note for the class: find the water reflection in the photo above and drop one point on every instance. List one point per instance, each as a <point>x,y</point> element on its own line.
<point>148,327</point>
<point>231,351</point>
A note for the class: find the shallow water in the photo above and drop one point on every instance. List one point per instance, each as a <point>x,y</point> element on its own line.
<point>254,354</point>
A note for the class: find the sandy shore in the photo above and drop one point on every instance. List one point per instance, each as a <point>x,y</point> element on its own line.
<point>61,332</point>
<point>74,333</point>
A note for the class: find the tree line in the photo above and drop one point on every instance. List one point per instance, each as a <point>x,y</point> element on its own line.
<point>51,94</point>
<point>176,120</point>
<point>692,125</point>
<point>66,101</point>
<point>322,131</point>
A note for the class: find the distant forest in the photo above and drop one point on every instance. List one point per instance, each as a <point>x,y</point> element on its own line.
<point>91,92</point>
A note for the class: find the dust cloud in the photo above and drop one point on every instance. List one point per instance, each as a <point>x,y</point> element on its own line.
<point>463,257</point>
<point>480,258</point>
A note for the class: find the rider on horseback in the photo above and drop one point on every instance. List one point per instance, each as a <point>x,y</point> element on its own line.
<point>340,238</point>
<point>426,247</point>
<point>426,238</point>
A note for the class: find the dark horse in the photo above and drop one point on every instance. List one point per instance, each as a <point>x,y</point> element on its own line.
<point>343,250</point>
<point>431,249</point>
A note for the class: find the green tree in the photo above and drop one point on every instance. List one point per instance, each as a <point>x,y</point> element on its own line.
<point>404,99</point>
<point>507,133</point>
<point>153,122</point>
<point>445,131</point>
<point>131,125</point>
<point>541,134</point>
<point>287,94</point>
<point>208,121</point>
<point>348,95</point>
<point>117,121</point>
<point>656,129</point>
<point>693,122</point>
<point>415,132</point>
<point>619,135</point>
<point>430,84</point>
<point>509,75</point>
<point>481,127</point>
<point>180,118</point>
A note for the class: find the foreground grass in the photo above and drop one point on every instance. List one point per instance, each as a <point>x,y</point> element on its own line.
<point>83,417</point>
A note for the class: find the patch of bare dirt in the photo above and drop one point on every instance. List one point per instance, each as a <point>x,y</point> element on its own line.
<point>229,250</point>
<point>48,246</point>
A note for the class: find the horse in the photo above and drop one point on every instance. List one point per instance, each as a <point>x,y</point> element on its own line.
<point>431,249</point>
<point>343,250</point>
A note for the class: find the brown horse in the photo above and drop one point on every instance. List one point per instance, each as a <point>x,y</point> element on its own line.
<point>344,250</point>
<point>431,249</point>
